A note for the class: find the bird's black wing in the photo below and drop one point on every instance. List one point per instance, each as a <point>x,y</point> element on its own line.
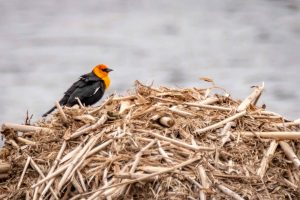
<point>89,92</point>
<point>83,81</point>
<point>86,86</point>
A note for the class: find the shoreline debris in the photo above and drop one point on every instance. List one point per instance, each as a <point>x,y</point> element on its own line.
<point>155,143</point>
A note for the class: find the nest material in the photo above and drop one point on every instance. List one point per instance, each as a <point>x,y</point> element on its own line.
<point>156,143</point>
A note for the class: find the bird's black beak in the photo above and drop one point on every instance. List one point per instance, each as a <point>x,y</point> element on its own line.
<point>107,70</point>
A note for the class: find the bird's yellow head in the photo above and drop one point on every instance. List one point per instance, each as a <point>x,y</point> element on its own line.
<point>102,72</point>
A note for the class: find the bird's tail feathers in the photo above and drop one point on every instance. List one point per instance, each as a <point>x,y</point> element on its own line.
<point>50,111</point>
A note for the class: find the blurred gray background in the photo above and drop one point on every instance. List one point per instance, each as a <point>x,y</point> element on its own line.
<point>47,45</point>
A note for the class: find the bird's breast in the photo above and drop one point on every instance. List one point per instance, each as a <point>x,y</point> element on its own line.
<point>106,81</point>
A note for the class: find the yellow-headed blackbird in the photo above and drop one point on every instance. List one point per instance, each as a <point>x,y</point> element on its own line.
<point>89,88</point>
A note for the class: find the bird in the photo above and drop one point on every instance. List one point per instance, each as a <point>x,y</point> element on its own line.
<point>89,88</point>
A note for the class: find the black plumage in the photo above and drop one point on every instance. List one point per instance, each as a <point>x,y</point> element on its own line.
<point>89,89</point>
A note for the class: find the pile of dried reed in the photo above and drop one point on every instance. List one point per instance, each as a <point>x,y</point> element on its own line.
<point>155,143</point>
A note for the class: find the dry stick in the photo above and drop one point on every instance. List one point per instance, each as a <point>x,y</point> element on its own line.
<point>13,143</point>
<point>102,105</point>
<point>225,133</point>
<point>86,153</point>
<point>135,164</point>
<point>81,181</point>
<point>107,192</point>
<point>163,120</point>
<point>75,151</point>
<point>272,135</point>
<point>286,124</point>
<point>251,98</point>
<point>76,185</point>
<point>23,173</point>
<point>86,119</point>
<point>221,123</point>
<point>36,167</point>
<point>58,171</point>
<point>79,102</point>
<point>24,128</point>
<point>125,105</point>
<point>101,121</point>
<point>139,155</point>
<point>61,112</point>
<point>4,167</point>
<point>124,98</point>
<point>152,175</point>
<point>175,110</point>
<point>101,146</point>
<point>177,142</point>
<point>54,165</point>
<point>132,176</point>
<point>208,106</point>
<point>74,162</point>
<point>152,108</point>
<point>287,149</point>
<point>104,179</point>
<point>265,161</point>
<point>25,141</point>
<point>163,153</point>
<point>35,193</point>
<point>229,192</point>
<point>204,181</point>
<point>208,101</point>
<point>4,176</point>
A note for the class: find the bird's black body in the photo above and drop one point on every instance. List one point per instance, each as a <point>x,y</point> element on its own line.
<point>89,89</point>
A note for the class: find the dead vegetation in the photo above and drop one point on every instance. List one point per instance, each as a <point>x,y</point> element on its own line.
<point>155,143</point>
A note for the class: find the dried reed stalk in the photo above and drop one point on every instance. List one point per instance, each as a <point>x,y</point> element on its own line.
<point>208,106</point>
<point>265,161</point>
<point>36,167</point>
<point>221,123</point>
<point>204,181</point>
<point>177,142</point>
<point>154,174</point>
<point>253,97</point>
<point>61,112</point>
<point>5,167</point>
<point>287,149</point>
<point>24,128</point>
<point>100,122</point>
<point>108,101</point>
<point>225,133</point>
<point>23,173</point>
<point>54,165</point>
<point>272,135</point>
<point>25,141</point>
<point>229,192</point>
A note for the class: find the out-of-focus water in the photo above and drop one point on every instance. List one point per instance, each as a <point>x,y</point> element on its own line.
<point>46,45</point>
